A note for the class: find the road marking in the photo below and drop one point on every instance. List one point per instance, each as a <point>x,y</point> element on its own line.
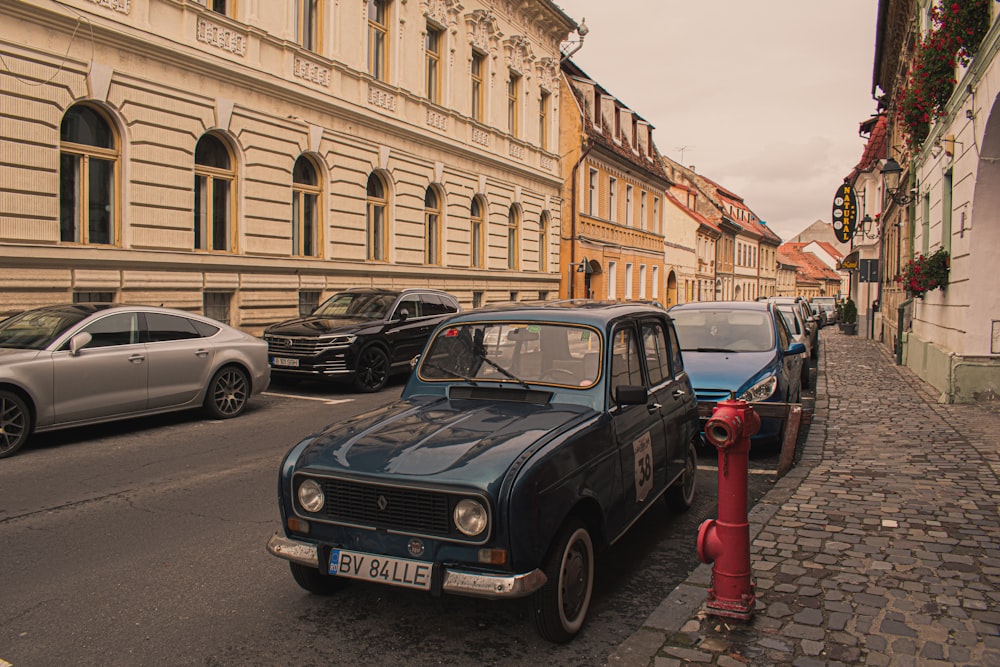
<point>752,471</point>
<point>328,401</point>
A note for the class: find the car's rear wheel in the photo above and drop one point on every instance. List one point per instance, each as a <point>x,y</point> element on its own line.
<point>680,496</point>
<point>314,581</point>
<point>15,423</point>
<point>372,370</point>
<point>228,393</point>
<point>560,607</point>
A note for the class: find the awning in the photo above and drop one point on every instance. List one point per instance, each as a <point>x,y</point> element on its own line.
<point>850,262</point>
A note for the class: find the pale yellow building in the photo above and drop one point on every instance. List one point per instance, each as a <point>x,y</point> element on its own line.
<point>248,158</point>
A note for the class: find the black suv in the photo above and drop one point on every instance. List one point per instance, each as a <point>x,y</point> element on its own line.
<point>359,334</point>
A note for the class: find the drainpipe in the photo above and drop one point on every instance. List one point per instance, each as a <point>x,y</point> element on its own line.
<point>572,217</point>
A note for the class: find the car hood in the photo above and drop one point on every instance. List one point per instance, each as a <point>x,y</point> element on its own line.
<point>10,355</point>
<point>725,370</point>
<point>311,326</point>
<point>439,440</point>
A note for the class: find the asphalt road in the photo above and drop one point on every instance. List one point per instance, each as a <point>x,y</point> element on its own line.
<point>142,543</point>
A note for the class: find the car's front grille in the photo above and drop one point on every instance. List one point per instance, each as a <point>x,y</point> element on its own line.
<point>298,347</point>
<point>387,507</point>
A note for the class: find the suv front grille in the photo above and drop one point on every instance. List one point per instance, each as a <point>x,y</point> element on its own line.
<point>298,347</point>
<point>388,507</point>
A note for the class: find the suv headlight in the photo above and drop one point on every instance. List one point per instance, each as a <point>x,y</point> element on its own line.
<point>761,391</point>
<point>341,340</point>
<point>311,496</point>
<point>470,517</point>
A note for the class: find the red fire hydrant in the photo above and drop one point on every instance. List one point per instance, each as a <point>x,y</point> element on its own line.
<point>726,541</point>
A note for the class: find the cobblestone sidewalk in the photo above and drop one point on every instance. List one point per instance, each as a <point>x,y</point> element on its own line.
<point>881,547</point>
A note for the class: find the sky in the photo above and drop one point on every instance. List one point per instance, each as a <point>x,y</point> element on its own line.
<point>763,97</point>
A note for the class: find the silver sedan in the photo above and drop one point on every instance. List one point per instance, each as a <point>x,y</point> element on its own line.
<point>76,364</point>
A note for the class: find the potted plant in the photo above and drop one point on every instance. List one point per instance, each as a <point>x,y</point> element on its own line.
<point>849,323</point>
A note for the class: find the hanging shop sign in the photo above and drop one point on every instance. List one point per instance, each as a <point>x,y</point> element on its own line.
<point>845,213</point>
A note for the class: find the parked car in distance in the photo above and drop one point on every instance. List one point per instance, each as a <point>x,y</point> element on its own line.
<point>742,350</point>
<point>792,316</point>
<point>527,439</point>
<point>362,335</point>
<point>809,318</point>
<point>83,363</point>
<point>829,306</point>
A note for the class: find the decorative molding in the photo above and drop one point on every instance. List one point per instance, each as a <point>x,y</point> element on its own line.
<point>443,12</point>
<point>437,119</point>
<point>546,162</point>
<point>483,30</point>
<point>120,6</point>
<point>381,98</point>
<point>516,151</point>
<point>221,37</point>
<point>99,81</point>
<point>311,71</point>
<point>548,70</point>
<point>518,54</point>
<point>481,137</point>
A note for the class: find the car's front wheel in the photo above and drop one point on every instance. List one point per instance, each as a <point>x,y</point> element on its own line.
<point>228,393</point>
<point>680,497</point>
<point>15,423</point>
<point>372,370</point>
<point>560,607</point>
<point>314,581</point>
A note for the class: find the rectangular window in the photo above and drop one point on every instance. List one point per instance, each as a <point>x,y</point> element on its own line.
<point>220,6</point>
<point>592,193</point>
<point>216,306</point>
<point>308,301</point>
<point>378,31</point>
<point>93,297</point>
<point>513,95</point>
<point>477,299</point>
<point>543,295</point>
<point>477,86</point>
<point>628,280</point>
<point>946,206</point>
<point>543,121</point>
<point>432,57</point>
<point>612,199</point>
<point>513,295</point>
<point>643,222</point>
<point>307,24</point>
<point>656,215</point>
<point>612,280</point>
<point>628,205</point>
<point>656,283</point>
<point>642,281</point>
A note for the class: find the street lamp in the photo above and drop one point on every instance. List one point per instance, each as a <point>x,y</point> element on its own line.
<point>891,173</point>
<point>867,228</point>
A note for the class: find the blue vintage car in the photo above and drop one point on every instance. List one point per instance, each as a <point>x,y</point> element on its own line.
<point>528,438</point>
<point>741,350</point>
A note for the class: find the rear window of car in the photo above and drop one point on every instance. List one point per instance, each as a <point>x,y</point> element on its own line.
<point>724,330</point>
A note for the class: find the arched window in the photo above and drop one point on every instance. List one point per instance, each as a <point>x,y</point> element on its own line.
<point>432,227</point>
<point>306,192</point>
<point>376,218</point>
<point>378,38</point>
<point>543,242</point>
<point>477,235</point>
<point>513,222</point>
<point>214,195</point>
<point>88,170</point>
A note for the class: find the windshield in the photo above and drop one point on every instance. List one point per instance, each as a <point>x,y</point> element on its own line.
<point>514,352</point>
<point>724,330</point>
<point>792,322</point>
<point>362,304</point>
<point>37,329</point>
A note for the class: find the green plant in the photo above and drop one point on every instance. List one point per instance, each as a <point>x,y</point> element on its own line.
<point>923,274</point>
<point>849,312</point>
<point>957,30</point>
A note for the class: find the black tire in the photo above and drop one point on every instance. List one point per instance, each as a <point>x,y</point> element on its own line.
<point>560,608</point>
<point>372,370</point>
<point>228,393</point>
<point>680,496</point>
<point>815,350</point>
<point>15,423</point>
<point>314,581</point>
<point>805,374</point>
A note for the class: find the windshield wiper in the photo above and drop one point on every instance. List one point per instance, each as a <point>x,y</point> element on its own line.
<point>450,371</point>
<point>505,372</point>
<point>712,349</point>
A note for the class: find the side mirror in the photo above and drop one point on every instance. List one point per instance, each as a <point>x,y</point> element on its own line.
<point>78,342</point>
<point>403,314</point>
<point>414,361</point>
<point>627,394</point>
<point>795,348</point>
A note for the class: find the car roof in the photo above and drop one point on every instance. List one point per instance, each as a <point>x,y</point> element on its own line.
<point>576,311</point>
<point>393,292</point>
<point>89,308</point>
<point>718,305</point>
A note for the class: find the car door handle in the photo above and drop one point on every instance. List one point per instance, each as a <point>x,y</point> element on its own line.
<point>678,393</point>
<point>137,358</point>
<point>201,353</point>
<point>653,407</point>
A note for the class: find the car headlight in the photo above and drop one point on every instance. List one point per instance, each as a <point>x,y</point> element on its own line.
<point>341,340</point>
<point>761,391</point>
<point>470,517</point>
<point>311,496</point>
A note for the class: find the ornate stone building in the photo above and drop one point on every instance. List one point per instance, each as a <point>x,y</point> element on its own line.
<point>248,158</point>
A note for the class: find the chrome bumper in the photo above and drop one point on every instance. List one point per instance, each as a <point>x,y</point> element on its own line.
<point>456,582</point>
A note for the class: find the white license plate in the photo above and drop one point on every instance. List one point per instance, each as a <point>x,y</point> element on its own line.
<point>370,567</point>
<point>282,361</point>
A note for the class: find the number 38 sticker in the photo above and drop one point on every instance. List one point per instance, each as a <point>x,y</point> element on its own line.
<point>643,448</point>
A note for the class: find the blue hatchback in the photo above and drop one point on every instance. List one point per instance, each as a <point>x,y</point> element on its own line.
<point>742,350</point>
